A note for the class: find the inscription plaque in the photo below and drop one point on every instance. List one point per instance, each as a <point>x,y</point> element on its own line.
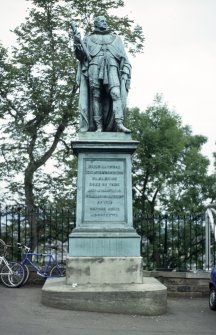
<point>105,191</point>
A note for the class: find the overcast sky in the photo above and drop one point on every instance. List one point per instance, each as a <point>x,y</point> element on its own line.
<point>179,58</point>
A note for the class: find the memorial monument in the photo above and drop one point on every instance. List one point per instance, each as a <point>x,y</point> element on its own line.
<point>104,265</point>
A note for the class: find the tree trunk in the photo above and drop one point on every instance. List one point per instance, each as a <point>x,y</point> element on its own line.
<point>31,210</point>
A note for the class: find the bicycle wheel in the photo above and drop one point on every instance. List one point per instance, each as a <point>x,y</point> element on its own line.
<point>58,271</point>
<point>4,275</point>
<point>16,278</point>
<point>27,274</point>
<point>19,274</point>
<point>5,271</point>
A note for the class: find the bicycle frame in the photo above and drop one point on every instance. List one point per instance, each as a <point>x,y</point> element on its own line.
<point>5,262</point>
<point>51,261</point>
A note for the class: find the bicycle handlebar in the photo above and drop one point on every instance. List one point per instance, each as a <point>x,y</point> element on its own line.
<point>22,245</point>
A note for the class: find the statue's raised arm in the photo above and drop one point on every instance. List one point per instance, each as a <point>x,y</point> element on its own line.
<point>104,77</point>
<point>78,39</point>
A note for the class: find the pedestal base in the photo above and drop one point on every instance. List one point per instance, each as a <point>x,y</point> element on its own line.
<point>104,270</point>
<point>149,298</point>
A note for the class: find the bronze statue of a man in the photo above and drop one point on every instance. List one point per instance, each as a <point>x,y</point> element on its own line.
<point>103,77</point>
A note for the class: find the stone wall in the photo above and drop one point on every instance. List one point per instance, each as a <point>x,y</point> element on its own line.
<point>183,284</point>
<point>179,284</point>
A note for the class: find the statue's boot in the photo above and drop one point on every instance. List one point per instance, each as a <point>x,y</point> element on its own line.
<point>98,123</point>
<point>120,127</point>
<point>99,128</point>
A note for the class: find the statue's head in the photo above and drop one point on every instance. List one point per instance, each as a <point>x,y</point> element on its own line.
<point>100,23</point>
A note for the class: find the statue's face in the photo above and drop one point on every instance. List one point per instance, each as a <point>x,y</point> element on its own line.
<point>101,23</point>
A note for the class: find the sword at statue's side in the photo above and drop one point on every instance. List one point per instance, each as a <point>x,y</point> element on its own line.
<point>77,34</point>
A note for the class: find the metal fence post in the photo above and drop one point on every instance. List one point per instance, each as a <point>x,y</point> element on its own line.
<point>18,232</point>
<point>166,243</point>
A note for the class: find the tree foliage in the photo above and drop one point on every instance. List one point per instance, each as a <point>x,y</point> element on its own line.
<point>169,171</point>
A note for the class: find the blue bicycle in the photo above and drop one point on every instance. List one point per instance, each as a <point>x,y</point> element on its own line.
<point>44,264</point>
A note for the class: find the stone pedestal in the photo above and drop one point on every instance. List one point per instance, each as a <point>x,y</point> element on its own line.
<point>104,246</point>
<point>104,267</point>
<point>104,222</point>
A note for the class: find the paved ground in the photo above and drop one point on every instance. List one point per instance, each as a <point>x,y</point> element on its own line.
<point>21,313</point>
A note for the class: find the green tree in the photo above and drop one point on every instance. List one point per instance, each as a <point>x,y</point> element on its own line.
<point>170,182</point>
<point>39,96</point>
<point>189,187</point>
<point>169,171</point>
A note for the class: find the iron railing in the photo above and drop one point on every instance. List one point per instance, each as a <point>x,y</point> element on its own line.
<point>168,242</point>
<point>37,228</point>
<point>173,242</point>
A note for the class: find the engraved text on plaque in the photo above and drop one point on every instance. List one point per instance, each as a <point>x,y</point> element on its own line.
<point>104,190</point>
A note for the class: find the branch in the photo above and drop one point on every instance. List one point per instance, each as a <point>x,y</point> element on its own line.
<point>31,146</point>
<point>57,137</point>
<point>7,163</point>
<point>10,105</point>
<point>155,195</point>
<point>66,146</point>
